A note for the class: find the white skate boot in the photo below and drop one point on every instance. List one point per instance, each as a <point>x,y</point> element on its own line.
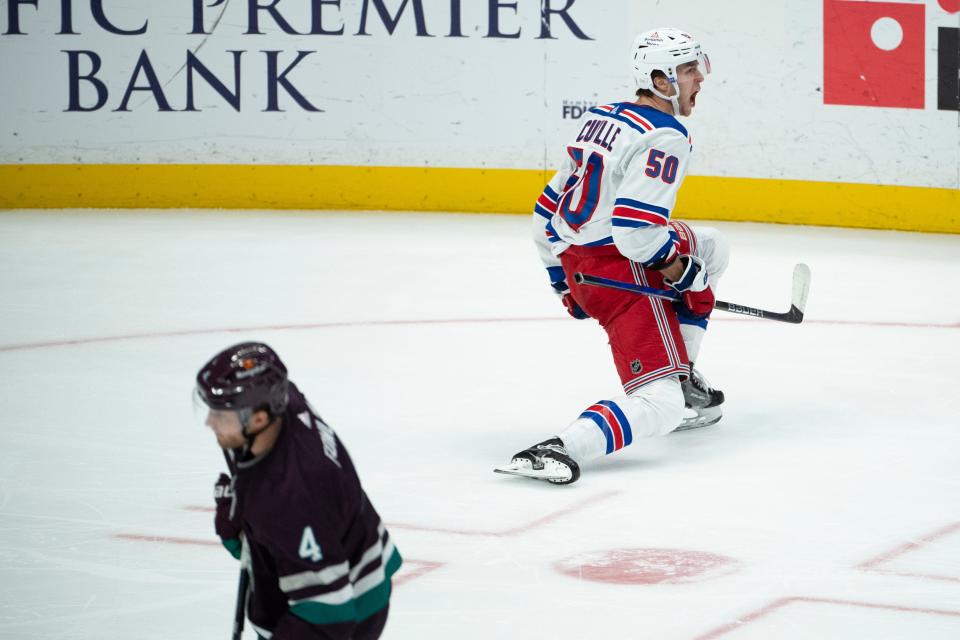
<point>547,460</point>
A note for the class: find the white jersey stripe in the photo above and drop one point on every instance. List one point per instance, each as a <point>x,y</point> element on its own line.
<point>327,575</point>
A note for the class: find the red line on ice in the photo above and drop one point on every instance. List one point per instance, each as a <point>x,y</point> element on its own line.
<point>423,567</point>
<point>167,539</point>
<point>874,563</point>
<point>512,531</point>
<point>908,546</point>
<point>406,573</point>
<point>390,323</point>
<point>910,574</point>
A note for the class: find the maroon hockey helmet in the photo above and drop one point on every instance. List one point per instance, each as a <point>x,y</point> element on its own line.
<point>247,376</point>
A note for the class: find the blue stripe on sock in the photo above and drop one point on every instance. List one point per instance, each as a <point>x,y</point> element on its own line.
<point>604,427</point>
<point>617,411</point>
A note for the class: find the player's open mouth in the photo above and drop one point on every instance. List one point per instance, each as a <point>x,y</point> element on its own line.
<point>693,98</point>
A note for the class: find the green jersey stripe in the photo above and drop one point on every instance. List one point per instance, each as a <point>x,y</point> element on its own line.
<point>375,598</point>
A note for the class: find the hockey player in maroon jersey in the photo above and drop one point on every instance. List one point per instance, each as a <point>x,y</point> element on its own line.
<point>607,212</point>
<point>319,558</point>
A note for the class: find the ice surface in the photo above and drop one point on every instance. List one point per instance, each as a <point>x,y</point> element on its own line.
<point>433,345</point>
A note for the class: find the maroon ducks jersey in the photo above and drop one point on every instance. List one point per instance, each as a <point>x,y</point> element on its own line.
<point>319,553</point>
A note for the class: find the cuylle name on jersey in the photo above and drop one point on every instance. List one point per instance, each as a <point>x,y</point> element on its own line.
<point>600,132</point>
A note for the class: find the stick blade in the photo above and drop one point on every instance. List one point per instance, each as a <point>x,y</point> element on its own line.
<point>801,287</point>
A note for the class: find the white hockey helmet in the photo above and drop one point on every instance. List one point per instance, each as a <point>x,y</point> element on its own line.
<point>664,50</point>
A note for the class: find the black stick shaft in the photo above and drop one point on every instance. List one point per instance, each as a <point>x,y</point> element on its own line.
<point>793,316</point>
<point>242,585</point>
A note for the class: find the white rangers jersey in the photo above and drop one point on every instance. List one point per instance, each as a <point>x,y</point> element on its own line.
<point>617,186</point>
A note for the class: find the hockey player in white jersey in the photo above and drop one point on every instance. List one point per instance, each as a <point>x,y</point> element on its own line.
<point>607,212</point>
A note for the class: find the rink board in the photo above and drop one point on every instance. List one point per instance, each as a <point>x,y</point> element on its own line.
<point>445,189</point>
<point>329,105</point>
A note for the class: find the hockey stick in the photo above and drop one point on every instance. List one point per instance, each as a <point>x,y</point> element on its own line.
<point>798,302</point>
<point>240,613</point>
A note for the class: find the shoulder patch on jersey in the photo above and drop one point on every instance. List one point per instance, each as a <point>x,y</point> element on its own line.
<point>614,112</point>
<point>329,440</point>
<point>657,119</point>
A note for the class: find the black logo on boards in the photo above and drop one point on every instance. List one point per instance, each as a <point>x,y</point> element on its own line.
<point>574,109</point>
<point>948,69</point>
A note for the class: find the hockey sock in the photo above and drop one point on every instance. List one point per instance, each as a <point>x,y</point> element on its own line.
<point>583,440</point>
<point>692,338</point>
<point>610,425</point>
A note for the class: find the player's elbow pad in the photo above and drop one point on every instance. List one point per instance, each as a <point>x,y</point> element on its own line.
<point>652,250</point>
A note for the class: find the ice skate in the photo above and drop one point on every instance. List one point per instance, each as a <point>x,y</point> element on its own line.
<point>547,460</point>
<point>701,402</point>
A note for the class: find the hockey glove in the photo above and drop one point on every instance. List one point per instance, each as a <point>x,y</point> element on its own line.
<point>574,309</point>
<point>228,529</point>
<point>571,305</point>
<point>692,284</point>
<point>558,280</point>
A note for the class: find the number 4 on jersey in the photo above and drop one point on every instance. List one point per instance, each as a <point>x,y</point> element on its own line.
<point>309,549</point>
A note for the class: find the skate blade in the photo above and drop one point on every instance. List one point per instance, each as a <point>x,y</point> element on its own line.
<point>550,475</point>
<point>706,418</point>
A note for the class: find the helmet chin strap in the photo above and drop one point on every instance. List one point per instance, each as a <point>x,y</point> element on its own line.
<point>674,99</point>
<point>245,415</point>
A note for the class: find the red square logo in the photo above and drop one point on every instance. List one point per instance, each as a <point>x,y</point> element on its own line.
<point>873,54</point>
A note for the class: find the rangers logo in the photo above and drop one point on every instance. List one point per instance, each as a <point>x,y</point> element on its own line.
<point>636,367</point>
